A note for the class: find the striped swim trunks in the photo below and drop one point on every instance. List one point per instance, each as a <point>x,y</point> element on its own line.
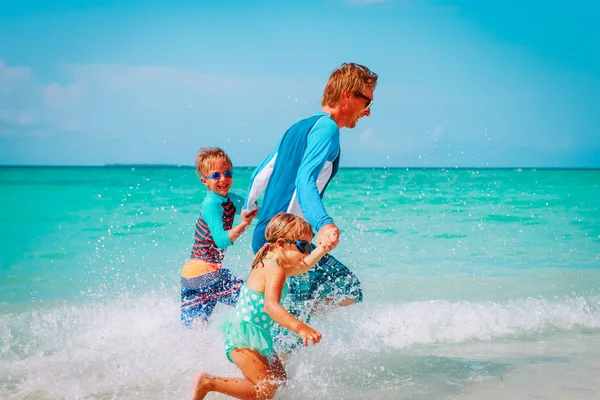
<point>200,294</point>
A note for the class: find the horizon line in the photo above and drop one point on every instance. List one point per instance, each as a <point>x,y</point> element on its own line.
<point>186,166</point>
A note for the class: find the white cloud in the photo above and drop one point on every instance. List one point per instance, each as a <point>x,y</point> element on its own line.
<point>122,77</point>
<point>365,137</point>
<point>21,118</point>
<point>121,100</point>
<point>18,108</point>
<point>57,95</point>
<point>29,107</point>
<point>10,76</point>
<point>438,132</point>
<point>371,141</point>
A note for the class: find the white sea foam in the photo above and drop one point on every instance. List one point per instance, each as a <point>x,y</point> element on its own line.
<point>403,325</point>
<point>134,347</point>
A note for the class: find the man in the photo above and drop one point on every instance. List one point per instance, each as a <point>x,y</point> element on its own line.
<point>294,177</point>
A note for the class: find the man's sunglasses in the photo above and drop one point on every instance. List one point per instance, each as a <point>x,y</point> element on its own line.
<point>217,175</point>
<point>302,245</point>
<point>368,101</point>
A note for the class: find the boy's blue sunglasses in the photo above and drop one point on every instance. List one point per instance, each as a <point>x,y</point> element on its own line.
<point>217,175</point>
<point>302,245</point>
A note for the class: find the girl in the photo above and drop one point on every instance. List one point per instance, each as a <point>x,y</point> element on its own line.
<point>248,341</point>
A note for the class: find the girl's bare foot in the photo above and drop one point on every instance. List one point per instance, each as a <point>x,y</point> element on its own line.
<point>202,385</point>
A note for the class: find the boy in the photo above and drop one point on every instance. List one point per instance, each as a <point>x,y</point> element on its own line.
<point>203,280</point>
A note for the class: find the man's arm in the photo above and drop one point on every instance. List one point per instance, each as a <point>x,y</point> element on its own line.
<point>315,171</point>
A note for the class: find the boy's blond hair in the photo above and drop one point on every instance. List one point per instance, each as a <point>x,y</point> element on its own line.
<point>350,77</point>
<point>207,157</point>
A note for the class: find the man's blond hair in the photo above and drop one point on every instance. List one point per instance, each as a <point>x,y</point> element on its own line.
<point>350,77</point>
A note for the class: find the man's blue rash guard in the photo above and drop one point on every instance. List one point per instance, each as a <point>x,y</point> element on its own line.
<point>295,175</point>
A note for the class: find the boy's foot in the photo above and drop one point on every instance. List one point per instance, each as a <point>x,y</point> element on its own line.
<point>201,385</point>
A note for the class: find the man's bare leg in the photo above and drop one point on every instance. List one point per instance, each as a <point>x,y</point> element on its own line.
<point>326,304</point>
<point>346,302</point>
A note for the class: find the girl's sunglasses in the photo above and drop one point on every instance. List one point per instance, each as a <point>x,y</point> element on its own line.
<point>302,245</point>
<point>217,175</point>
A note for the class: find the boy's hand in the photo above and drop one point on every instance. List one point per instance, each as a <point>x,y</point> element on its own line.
<point>307,333</point>
<point>247,216</point>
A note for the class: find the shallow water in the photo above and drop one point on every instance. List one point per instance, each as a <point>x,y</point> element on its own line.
<point>478,284</point>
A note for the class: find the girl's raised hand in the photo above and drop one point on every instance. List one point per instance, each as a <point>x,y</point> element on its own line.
<point>327,247</point>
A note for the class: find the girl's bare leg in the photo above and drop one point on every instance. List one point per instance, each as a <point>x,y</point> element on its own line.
<point>261,378</point>
<point>236,387</point>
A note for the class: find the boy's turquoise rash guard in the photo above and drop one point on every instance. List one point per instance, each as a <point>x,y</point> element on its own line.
<point>295,175</point>
<point>211,236</point>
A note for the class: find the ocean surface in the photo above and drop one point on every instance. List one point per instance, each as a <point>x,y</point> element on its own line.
<point>479,284</point>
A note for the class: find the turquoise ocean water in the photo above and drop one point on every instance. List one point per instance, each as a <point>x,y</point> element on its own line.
<point>479,284</point>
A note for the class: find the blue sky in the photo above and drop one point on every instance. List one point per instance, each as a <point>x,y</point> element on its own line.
<point>465,83</point>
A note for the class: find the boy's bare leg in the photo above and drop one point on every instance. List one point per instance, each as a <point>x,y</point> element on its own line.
<point>261,378</point>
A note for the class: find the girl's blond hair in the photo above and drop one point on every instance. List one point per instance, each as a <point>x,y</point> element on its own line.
<point>283,226</point>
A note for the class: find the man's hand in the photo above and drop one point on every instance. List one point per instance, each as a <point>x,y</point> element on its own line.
<point>328,236</point>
